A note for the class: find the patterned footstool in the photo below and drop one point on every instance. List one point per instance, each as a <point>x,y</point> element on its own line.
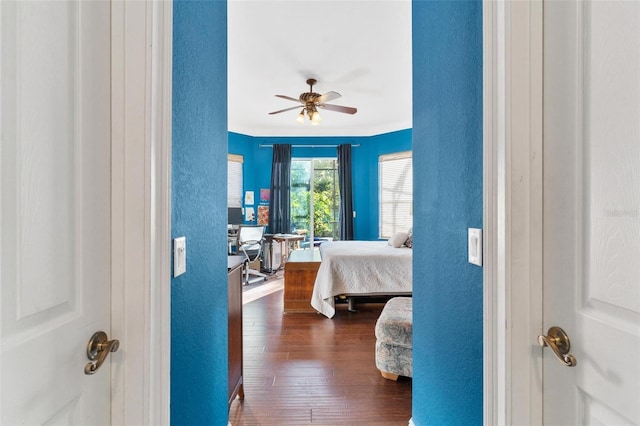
<point>394,339</point>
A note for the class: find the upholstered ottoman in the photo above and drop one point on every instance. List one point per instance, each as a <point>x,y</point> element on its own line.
<point>394,339</point>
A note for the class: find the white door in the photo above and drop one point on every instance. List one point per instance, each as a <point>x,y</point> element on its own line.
<point>592,210</point>
<point>55,210</point>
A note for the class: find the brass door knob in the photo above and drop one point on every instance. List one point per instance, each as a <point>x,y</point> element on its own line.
<point>559,343</point>
<point>98,349</point>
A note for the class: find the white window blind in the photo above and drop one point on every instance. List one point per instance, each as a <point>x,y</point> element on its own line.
<point>234,180</point>
<point>395,193</point>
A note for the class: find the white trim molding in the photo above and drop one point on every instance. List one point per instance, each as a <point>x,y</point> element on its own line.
<point>160,210</point>
<point>512,211</point>
<point>493,213</point>
<point>141,155</point>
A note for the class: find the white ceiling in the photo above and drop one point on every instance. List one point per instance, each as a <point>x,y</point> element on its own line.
<point>358,48</point>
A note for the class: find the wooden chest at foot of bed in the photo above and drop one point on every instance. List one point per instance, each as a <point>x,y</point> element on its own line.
<point>300,272</point>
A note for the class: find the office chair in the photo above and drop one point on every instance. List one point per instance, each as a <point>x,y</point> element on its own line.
<point>250,244</point>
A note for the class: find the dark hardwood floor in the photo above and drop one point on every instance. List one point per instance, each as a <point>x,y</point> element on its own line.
<point>302,369</point>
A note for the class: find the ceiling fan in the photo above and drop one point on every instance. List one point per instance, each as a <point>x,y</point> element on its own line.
<point>311,101</point>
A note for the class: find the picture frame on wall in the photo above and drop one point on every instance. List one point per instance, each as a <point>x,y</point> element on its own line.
<point>248,198</point>
<point>263,215</point>
<point>265,195</point>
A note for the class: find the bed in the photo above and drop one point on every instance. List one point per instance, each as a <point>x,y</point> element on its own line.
<point>360,268</point>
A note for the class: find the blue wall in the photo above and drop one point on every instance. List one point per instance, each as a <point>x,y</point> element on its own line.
<point>447,143</point>
<point>257,167</point>
<point>198,204</point>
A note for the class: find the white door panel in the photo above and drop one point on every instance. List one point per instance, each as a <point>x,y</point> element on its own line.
<point>592,210</point>
<point>55,200</point>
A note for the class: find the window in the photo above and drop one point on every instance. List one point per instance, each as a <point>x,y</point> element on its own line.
<point>234,180</point>
<point>395,193</point>
<point>315,198</point>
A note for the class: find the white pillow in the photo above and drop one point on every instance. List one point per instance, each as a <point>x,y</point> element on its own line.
<point>409,242</point>
<point>398,239</point>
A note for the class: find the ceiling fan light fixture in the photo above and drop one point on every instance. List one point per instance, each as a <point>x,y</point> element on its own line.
<point>310,100</point>
<point>315,117</point>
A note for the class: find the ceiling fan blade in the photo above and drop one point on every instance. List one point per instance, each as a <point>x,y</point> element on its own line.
<point>283,110</point>
<point>288,98</point>
<point>329,96</point>
<point>339,108</point>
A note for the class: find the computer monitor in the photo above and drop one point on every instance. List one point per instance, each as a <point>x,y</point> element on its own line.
<point>235,216</point>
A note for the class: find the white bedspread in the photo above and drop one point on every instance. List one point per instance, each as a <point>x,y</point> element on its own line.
<point>360,267</point>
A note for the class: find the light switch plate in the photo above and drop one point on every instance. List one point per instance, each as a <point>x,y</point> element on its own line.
<point>179,256</point>
<point>475,246</point>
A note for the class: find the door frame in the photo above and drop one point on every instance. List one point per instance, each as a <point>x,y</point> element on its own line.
<point>141,210</point>
<point>512,205</point>
<point>512,198</point>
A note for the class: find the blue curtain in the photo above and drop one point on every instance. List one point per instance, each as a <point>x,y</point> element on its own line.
<point>279,204</point>
<point>346,192</point>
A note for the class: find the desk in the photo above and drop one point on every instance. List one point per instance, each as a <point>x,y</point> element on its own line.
<point>290,242</point>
